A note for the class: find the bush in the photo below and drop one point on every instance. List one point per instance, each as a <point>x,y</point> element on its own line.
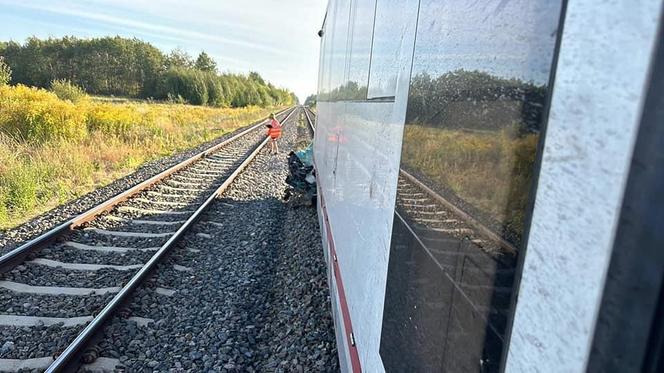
<point>65,90</point>
<point>33,114</point>
<point>5,72</point>
<point>129,122</point>
<point>173,99</point>
<point>112,119</point>
<point>20,188</point>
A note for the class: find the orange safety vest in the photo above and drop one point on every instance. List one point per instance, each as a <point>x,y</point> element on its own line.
<point>275,131</point>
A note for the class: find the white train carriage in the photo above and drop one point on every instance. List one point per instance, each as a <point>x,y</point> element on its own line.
<point>490,177</point>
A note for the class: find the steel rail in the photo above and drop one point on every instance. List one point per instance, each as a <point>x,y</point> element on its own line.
<point>16,256</point>
<point>483,230</point>
<point>69,360</point>
<point>311,124</point>
<point>310,111</point>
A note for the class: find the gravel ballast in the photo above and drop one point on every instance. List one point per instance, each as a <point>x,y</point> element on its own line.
<point>251,289</point>
<point>50,305</point>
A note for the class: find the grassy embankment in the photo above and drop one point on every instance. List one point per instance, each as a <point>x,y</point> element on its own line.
<point>491,170</point>
<point>53,150</point>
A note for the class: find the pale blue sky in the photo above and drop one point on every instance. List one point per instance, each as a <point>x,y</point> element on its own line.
<point>275,38</point>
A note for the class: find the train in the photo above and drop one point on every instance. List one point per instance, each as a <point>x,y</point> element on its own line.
<point>489,180</point>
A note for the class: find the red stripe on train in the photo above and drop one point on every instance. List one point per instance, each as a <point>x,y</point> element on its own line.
<point>352,348</point>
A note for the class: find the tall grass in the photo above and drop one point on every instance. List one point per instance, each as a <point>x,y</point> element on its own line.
<point>53,150</point>
<point>492,170</point>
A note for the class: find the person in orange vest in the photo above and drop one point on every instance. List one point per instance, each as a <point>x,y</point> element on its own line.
<point>274,131</point>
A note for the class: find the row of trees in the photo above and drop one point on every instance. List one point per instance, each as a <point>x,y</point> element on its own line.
<point>475,100</point>
<point>350,91</point>
<point>310,100</point>
<point>134,68</point>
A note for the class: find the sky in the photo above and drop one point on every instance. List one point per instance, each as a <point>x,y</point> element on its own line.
<point>277,39</point>
<point>509,39</point>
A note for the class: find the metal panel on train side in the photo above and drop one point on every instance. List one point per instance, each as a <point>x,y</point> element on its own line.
<point>598,95</point>
<point>359,187</point>
<point>360,192</point>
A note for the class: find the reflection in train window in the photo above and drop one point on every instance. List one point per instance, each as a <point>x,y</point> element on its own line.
<point>390,45</point>
<point>476,108</point>
<point>322,70</point>
<point>326,56</point>
<point>339,47</point>
<point>362,23</point>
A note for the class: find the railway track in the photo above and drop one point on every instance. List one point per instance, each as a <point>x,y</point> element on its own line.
<point>59,289</point>
<point>429,209</point>
<point>478,265</point>
<point>311,116</point>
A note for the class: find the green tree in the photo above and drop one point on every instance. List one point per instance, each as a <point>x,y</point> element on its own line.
<point>5,72</point>
<point>430,100</point>
<point>179,58</point>
<point>215,90</point>
<point>205,63</point>
<point>256,77</point>
<point>310,100</point>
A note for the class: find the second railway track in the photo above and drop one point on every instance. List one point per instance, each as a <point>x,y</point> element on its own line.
<point>58,289</point>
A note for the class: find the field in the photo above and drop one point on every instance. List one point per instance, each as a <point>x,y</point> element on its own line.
<point>491,170</point>
<point>54,150</point>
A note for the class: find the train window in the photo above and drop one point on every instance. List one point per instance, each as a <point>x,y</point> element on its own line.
<point>323,65</point>
<point>390,45</point>
<point>328,42</point>
<point>362,23</point>
<point>476,111</point>
<point>338,49</point>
